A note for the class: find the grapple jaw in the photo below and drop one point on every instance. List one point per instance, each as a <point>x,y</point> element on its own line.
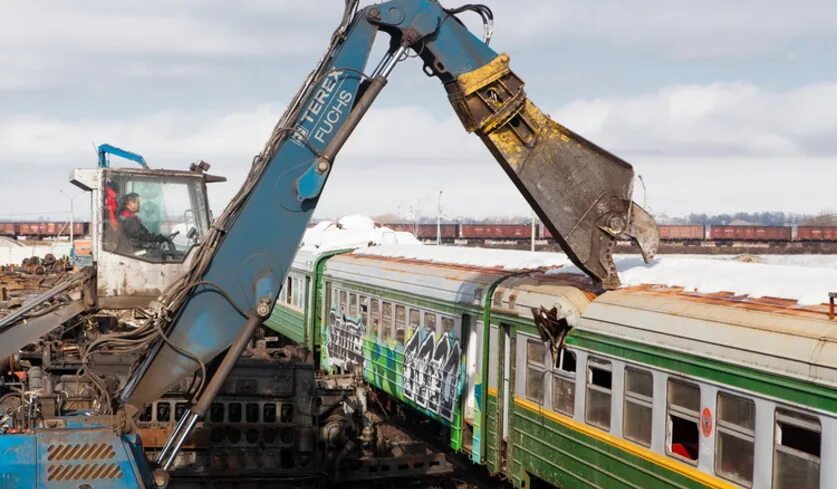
<point>581,192</point>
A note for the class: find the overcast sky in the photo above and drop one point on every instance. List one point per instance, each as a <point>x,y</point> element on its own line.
<point>721,106</point>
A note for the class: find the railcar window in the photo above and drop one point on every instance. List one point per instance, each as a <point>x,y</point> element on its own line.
<point>374,324</point>
<point>216,412</point>
<point>797,451</point>
<point>535,369</point>
<point>344,303</point>
<point>353,305</point>
<point>430,322</point>
<point>563,384</point>
<point>269,412</point>
<point>163,411</point>
<point>447,325</point>
<point>415,319</point>
<point>599,387</point>
<point>286,413</point>
<point>683,434</point>
<point>179,410</point>
<point>735,439</point>
<point>400,322</point>
<point>234,412</point>
<point>364,309</point>
<point>639,398</point>
<point>386,324</point>
<point>252,412</point>
<point>289,290</point>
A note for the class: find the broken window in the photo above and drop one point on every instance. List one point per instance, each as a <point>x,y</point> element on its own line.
<point>683,420</point>
<point>289,297</point>
<point>797,451</point>
<point>344,303</point>
<point>375,320</point>
<point>599,389</point>
<point>364,310</point>
<point>639,398</point>
<point>563,384</point>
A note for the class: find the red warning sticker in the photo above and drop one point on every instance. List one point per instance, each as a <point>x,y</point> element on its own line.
<point>706,422</point>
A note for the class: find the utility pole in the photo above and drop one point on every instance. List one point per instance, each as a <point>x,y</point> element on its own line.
<point>439,219</point>
<point>533,230</point>
<point>72,220</point>
<point>644,192</point>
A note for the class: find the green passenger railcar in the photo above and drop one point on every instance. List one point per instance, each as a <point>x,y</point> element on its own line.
<point>655,387</point>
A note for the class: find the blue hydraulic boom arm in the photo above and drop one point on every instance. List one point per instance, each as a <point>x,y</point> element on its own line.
<point>581,192</point>
<point>104,150</point>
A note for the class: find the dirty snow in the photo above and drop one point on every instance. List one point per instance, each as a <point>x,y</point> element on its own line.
<point>477,257</point>
<point>353,231</point>
<point>806,283</point>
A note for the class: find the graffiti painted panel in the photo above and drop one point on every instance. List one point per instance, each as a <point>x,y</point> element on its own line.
<point>344,342</point>
<point>432,372</point>
<point>424,371</point>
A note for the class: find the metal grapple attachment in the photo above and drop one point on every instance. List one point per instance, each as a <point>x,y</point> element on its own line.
<point>581,192</point>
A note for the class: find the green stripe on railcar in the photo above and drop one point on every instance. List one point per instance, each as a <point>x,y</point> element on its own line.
<point>571,455</point>
<point>776,386</point>
<point>288,322</point>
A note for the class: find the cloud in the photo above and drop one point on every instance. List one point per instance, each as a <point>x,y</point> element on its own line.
<point>714,119</point>
<point>713,147</point>
<point>670,28</point>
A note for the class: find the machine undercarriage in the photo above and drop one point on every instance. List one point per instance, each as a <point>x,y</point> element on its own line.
<point>275,420</point>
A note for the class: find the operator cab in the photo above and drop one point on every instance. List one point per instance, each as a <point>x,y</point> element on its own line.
<point>146,225</point>
<point>157,217</point>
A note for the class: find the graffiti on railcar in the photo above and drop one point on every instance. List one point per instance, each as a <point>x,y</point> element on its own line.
<point>418,361</point>
<point>344,342</point>
<point>432,372</point>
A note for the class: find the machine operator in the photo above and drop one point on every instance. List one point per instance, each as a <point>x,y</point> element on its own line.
<point>137,236</point>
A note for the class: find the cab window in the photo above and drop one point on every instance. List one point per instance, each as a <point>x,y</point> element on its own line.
<point>156,219</point>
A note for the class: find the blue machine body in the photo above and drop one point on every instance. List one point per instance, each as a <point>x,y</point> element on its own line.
<point>85,451</point>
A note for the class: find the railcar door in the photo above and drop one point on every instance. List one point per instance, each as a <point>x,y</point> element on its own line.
<point>506,392</point>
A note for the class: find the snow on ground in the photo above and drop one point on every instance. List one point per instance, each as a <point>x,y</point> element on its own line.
<point>804,283</point>
<point>477,257</point>
<point>807,261</point>
<point>805,278</point>
<point>353,231</point>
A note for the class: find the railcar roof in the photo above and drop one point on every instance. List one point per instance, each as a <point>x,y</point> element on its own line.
<point>450,283</point>
<point>767,334</point>
<point>478,258</point>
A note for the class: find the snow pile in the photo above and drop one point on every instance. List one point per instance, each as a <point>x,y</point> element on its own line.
<point>476,257</point>
<point>353,231</point>
<point>805,284</point>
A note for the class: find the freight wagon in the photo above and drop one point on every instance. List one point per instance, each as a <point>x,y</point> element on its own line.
<point>682,233</point>
<point>654,387</point>
<point>495,231</point>
<point>750,233</point>
<point>449,232</point>
<point>816,233</point>
<point>43,229</point>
